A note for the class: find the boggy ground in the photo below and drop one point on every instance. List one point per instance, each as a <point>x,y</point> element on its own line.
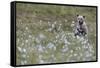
<point>44,34</point>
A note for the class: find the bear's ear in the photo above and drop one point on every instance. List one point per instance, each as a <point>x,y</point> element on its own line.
<point>83,16</point>
<point>77,15</point>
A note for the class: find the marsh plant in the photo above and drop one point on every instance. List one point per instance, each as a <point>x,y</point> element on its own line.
<point>45,34</point>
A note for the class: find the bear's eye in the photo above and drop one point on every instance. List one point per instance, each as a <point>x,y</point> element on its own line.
<point>81,19</point>
<point>78,18</point>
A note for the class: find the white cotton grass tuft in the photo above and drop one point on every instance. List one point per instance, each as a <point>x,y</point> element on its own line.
<point>66,42</point>
<point>65,48</point>
<point>59,28</point>
<point>41,61</point>
<point>73,24</point>
<point>40,48</point>
<point>51,46</point>
<point>23,55</point>
<point>37,40</point>
<point>75,54</point>
<point>30,36</point>
<point>40,56</point>
<point>66,20</point>
<point>22,44</point>
<point>18,40</point>
<point>26,41</point>
<point>26,28</point>
<point>23,62</point>
<point>88,54</point>
<point>71,51</point>
<point>24,50</point>
<point>49,24</point>
<point>19,49</point>
<point>42,36</point>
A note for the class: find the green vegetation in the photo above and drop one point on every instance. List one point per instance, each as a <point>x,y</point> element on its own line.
<point>38,43</point>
